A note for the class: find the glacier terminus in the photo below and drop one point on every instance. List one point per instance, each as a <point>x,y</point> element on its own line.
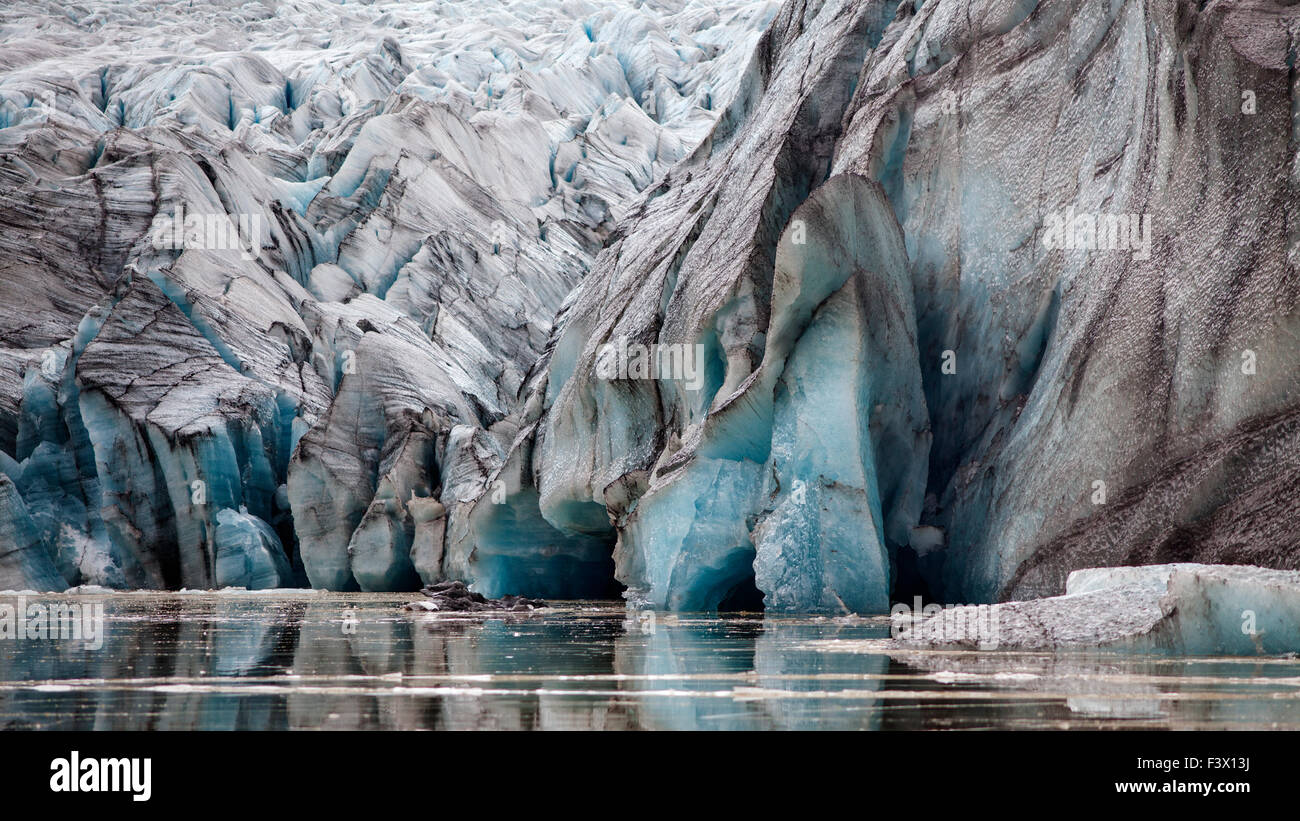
<point>806,307</point>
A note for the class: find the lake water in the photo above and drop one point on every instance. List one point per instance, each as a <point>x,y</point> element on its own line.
<point>307,660</point>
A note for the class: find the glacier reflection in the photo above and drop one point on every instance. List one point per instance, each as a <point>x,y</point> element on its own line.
<point>304,660</point>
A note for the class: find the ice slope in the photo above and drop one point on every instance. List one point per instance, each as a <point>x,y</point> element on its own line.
<point>387,205</point>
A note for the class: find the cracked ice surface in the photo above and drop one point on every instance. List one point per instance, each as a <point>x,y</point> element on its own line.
<point>416,188</point>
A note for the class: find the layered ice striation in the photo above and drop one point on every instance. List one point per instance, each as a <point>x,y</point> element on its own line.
<point>963,296</point>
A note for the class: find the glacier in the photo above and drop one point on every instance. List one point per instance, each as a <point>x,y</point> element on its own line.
<point>1034,407</point>
<point>278,275</point>
<point>316,294</point>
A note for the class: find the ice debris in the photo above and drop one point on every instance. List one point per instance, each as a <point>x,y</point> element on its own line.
<point>454,596</point>
<point>1182,609</point>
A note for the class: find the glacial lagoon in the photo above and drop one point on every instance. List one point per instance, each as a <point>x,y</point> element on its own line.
<point>316,660</point>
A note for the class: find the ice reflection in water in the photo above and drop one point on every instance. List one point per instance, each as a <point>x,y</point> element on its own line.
<point>303,660</point>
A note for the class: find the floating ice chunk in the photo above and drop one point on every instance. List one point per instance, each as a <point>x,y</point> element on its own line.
<point>1193,609</point>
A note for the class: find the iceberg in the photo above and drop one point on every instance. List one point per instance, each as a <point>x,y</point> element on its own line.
<point>1178,609</point>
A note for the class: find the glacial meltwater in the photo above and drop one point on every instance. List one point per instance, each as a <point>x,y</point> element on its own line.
<point>308,660</point>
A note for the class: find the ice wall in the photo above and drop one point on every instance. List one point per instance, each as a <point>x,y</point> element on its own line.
<point>1078,357</point>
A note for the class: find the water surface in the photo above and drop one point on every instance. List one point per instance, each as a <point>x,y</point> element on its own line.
<point>314,660</point>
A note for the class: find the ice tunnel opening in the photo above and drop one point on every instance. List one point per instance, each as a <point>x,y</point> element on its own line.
<point>548,577</point>
<point>727,586</point>
<point>968,389</point>
<point>912,578</point>
<point>518,552</point>
<point>713,360</point>
<point>743,597</point>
